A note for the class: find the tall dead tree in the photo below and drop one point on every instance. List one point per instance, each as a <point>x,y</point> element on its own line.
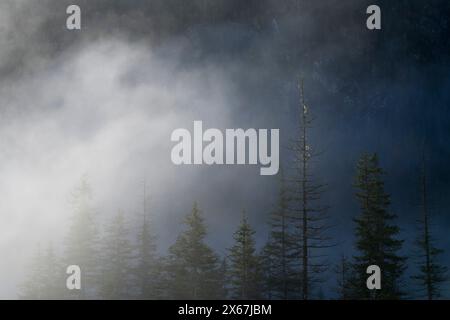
<point>431,274</point>
<point>311,218</point>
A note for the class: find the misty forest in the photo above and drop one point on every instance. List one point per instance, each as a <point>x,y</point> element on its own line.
<point>290,265</point>
<point>85,171</point>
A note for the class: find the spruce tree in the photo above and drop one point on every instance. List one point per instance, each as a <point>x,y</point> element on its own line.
<point>193,269</point>
<point>46,277</point>
<point>81,245</point>
<point>278,255</point>
<point>116,257</point>
<point>343,271</point>
<point>148,269</point>
<point>32,288</point>
<point>311,217</point>
<point>54,275</point>
<point>269,271</point>
<point>431,275</point>
<point>224,279</point>
<point>244,269</point>
<point>376,233</point>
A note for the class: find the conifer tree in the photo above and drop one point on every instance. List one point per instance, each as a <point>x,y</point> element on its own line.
<point>46,278</point>
<point>117,254</point>
<point>431,275</point>
<point>54,275</point>
<point>193,269</point>
<point>149,269</point>
<point>311,218</point>
<point>81,245</point>
<point>244,268</point>
<point>376,233</point>
<point>224,279</point>
<point>268,271</point>
<point>32,288</point>
<point>278,255</point>
<point>343,272</point>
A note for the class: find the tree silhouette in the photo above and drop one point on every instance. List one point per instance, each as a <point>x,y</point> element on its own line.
<point>244,270</point>
<point>45,279</point>
<point>343,270</point>
<point>192,266</point>
<point>376,234</point>
<point>224,279</point>
<point>81,246</point>
<point>116,259</point>
<point>431,274</point>
<point>278,255</point>
<point>149,268</point>
<point>311,218</point>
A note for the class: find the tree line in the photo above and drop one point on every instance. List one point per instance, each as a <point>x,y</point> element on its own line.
<point>292,264</point>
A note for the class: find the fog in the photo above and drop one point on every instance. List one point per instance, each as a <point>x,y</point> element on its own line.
<point>103,109</point>
<point>102,103</point>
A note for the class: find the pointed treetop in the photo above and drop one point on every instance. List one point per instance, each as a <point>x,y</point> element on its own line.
<point>302,95</point>
<point>244,216</point>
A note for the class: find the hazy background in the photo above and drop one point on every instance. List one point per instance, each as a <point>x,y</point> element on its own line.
<point>103,101</point>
